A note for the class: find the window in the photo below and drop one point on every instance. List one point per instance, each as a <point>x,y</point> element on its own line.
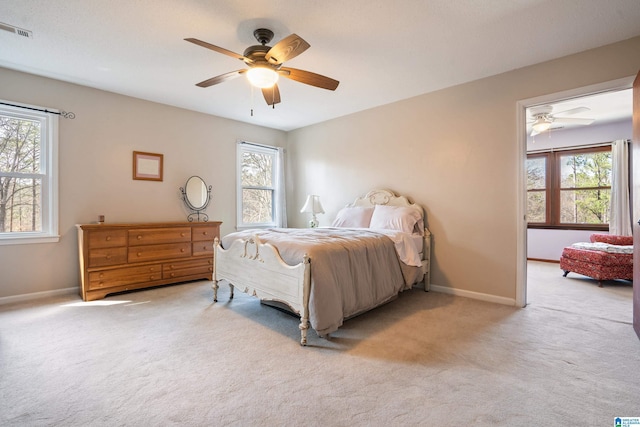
<point>258,194</point>
<point>28,176</point>
<point>569,189</point>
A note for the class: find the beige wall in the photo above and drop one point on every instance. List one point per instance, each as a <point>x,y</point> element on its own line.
<point>95,162</point>
<point>455,152</point>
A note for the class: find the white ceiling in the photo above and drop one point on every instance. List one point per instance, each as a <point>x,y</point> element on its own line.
<point>381,51</point>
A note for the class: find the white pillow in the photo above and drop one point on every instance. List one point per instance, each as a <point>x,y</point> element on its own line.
<point>355,217</point>
<point>399,218</point>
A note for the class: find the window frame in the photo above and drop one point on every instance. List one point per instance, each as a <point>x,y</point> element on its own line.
<point>48,174</point>
<point>244,146</point>
<point>554,190</point>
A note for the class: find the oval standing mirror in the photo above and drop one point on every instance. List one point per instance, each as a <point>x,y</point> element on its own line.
<point>196,192</point>
<point>196,196</point>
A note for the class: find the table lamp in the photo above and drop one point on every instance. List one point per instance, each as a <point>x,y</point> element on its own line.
<point>312,206</point>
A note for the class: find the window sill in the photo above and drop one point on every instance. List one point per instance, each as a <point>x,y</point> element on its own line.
<point>4,241</point>
<point>569,227</point>
<point>251,227</point>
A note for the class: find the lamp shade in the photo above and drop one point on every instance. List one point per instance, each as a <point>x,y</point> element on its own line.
<point>262,77</point>
<point>312,205</point>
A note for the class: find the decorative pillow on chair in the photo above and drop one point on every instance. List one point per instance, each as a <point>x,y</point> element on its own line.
<point>612,239</point>
<point>355,217</point>
<point>395,218</point>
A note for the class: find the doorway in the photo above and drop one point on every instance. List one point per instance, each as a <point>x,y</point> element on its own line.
<point>563,101</point>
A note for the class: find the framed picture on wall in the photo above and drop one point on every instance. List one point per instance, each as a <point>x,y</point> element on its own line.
<point>147,166</point>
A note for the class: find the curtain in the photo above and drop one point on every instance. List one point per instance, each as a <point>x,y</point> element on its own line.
<point>281,200</point>
<point>620,220</point>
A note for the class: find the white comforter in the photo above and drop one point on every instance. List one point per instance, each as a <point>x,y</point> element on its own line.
<point>352,270</point>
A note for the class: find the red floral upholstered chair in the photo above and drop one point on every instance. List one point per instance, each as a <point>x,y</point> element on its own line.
<point>606,257</point>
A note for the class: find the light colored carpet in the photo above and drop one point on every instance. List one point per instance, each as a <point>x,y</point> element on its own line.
<point>168,356</point>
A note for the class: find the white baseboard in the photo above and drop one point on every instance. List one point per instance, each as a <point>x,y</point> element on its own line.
<point>37,295</point>
<point>473,295</point>
<point>434,288</point>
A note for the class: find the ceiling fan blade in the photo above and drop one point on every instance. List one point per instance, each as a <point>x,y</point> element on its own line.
<point>534,132</point>
<point>218,49</point>
<point>271,95</point>
<point>307,77</point>
<point>287,48</point>
<point>572,121</point>
<point>221,78</point>
<point>573,111</point>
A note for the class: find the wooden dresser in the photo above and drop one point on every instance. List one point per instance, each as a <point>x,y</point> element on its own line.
<point>122,257</point>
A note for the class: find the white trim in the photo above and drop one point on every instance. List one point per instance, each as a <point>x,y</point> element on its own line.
<point>521,208</point>
<point>48,175</point>
<point>267,150</point>
<point>38,295</point>
<point>24,240</point>
<point>473,295</point>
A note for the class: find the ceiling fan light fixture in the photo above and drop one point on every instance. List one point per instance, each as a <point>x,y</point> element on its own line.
<point>541,125</point>
<point>262,77</point>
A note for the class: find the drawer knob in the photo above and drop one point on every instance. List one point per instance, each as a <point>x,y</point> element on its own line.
<point>139,237</point>
<point>173,274</point>
<point>181,234</point>
<point>172,266</point>
<point>182,250</point>
<point>206,233</point>
<point>210,268</point>
<point>108,238</point>
<point>139,253</point>
<point>204,248</point>
<point>100,283</point>
<point>101,275</point>
<point>108,257</point>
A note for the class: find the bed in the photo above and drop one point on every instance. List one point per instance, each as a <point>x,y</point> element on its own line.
<point>376,247</point>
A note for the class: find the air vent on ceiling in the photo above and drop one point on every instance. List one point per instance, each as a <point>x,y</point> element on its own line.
<point>15,30</point>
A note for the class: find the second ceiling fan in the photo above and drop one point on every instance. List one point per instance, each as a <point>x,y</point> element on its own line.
<point>543,118</point>
<point>265,65</point>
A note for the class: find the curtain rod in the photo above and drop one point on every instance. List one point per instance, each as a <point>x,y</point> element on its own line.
<point>573,147</point>
<point>258,145</point>
<point>65,114</point>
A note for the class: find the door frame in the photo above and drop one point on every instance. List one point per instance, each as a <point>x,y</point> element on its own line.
<point>521,152</point>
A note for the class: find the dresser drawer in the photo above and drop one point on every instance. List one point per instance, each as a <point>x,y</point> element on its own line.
<point>107,238</point>
<point>107,256</point>
<point>205,233</point>
<point>202,248</point>
<point>187,268</point>
<point>159,235</point>
<point>124,276</point>
<point>154,252</point>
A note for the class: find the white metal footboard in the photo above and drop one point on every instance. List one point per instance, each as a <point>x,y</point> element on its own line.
<point>257,269</point>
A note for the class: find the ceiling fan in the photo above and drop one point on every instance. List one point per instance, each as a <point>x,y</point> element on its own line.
<point>543,117</point>
<point>266,65</point>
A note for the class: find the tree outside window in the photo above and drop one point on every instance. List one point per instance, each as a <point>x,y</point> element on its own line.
<point>257,188</point>
<point>257,185</point>
<point>569,189</point>
<point>20,175</point>
<point>585,188</point>
<point>28,174</point>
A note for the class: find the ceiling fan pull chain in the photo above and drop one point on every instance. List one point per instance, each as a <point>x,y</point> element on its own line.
<point>251,100</point>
